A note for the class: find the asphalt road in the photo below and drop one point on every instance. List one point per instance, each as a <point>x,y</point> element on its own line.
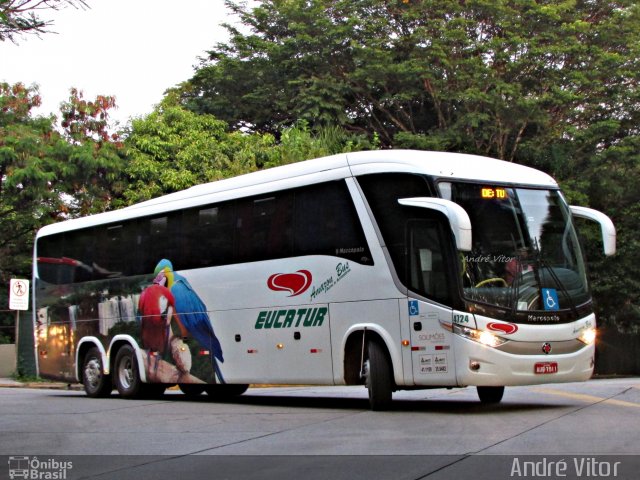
<point>580,430</point>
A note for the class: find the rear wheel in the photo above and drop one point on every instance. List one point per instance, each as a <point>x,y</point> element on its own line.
<point>126,375</point>
<point>489,395</point>
<point>96,383</point>
<point>378,376</point>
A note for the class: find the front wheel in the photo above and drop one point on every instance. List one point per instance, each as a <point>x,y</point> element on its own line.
<point>489,395</point>
<point>378,376</point>
<point>96,383</point>
<point>126,375</point>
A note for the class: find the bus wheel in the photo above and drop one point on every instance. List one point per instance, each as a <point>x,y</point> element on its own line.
<point>378,377</point>
<point>96,384</point>
<point>126,375</point>
<point>490,395</point>
<point>191,389</point>
<point>226,391</point>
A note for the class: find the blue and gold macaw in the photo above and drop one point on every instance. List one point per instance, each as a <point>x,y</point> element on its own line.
<point>192,312</point>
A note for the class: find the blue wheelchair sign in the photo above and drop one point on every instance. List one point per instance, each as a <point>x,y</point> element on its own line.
<point>414,309</point>
<point>550,299</point>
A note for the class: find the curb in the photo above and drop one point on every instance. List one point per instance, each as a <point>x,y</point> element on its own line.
<point>39,385</point>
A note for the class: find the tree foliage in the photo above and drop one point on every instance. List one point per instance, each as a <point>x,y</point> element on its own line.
<point>174,148</point>
<point>478,76</point>
<point>46,175</point>
<point>20,17</point>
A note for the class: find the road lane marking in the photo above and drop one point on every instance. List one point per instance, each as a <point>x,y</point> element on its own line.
<point>588,398</point>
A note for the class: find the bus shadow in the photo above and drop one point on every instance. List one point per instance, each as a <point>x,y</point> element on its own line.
<point>446,406</point>
<point>454,406</point>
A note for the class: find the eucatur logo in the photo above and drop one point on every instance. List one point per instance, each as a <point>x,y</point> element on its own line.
<point>504,328</point>
<point>294,283</point>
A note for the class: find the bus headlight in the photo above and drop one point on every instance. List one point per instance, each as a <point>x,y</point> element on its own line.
<point>588,336</point>
<point>480,336</point>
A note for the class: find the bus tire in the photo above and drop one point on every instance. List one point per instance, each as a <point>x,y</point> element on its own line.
<point>191,390</point>
<point>96,383</point>
<point>226,391</point>
<point>378,376</point>
<point>490,395</point>
<point>126,375</point>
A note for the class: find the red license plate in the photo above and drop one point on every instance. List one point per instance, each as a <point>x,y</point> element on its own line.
<point>545,368</point>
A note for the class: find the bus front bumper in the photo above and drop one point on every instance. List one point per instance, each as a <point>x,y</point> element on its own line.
<point>479,365</point>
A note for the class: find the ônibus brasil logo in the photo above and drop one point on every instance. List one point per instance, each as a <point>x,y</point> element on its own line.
<point>294,283</point>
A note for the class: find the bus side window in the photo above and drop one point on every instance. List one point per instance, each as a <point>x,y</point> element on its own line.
<point>427,269</point>
<point>326,223</point>
<point>210,235</point>
<point>263,227</point>
<point>50,253</point>
<point>382,191</point>
<point>162,239</point>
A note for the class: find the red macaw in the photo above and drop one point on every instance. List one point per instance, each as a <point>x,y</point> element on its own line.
<point>192,312</point>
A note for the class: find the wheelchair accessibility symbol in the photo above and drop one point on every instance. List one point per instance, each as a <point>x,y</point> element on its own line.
<point>413,308</point>
<point>550,299</point>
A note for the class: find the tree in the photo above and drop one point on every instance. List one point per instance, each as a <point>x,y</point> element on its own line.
<point>96,149</point>
<point>45,176</point>
<point>19,17</point>
<point>173,148</point>
<point>477,76</point>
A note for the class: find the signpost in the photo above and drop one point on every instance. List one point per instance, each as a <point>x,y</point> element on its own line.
<point>18,300</point>
<point>19,294</point>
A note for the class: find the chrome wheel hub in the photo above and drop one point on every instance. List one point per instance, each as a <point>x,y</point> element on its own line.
<point>92,372</point>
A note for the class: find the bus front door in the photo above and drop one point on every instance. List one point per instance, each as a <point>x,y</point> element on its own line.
<point>428,265</point>
<point>431,344</point>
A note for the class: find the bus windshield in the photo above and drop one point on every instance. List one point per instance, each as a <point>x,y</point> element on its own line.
<point>526,254</point>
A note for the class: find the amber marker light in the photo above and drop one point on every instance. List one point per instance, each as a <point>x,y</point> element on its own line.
<point>406,343</point>
<point>588,336</point>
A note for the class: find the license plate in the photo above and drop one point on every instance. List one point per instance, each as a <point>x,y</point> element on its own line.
<point>544,368</point>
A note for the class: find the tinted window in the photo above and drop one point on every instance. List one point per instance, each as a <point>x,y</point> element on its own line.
<point>208,235</point>
<point>382,192</point>
<point>264,227</point>
<point>314,220</point>
<point>426,264</point>
<point>414,237</point>
<point>326,223</point>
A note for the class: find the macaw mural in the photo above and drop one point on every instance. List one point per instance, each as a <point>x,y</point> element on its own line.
<point>163,314</point>
<point>191,311</point>
<point>156,310</point>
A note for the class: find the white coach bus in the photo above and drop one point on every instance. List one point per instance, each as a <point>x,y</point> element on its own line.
<point>390,269</point>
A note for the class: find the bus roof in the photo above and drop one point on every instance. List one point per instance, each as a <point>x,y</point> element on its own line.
<point>452,166</point>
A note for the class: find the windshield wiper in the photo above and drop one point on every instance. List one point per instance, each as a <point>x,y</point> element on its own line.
<point>515,286</point>
<point>542,264</point>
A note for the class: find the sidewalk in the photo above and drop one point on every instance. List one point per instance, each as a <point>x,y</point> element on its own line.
<point>11,383</point>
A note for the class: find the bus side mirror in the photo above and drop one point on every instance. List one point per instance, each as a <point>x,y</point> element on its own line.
<point>457,216</point>
<point>606,225</point>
